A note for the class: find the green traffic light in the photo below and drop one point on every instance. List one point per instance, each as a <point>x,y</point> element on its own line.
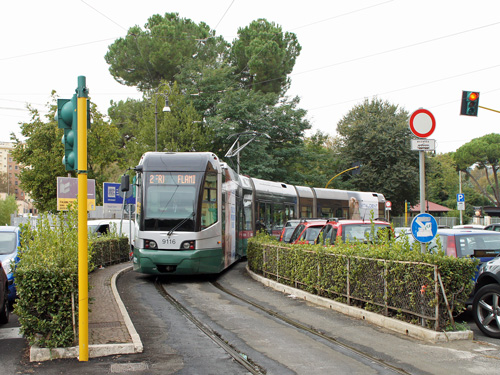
<point>67,119</point>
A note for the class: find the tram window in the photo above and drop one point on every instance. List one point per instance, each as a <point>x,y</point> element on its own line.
<point>247,211</point>
<point>209,201</point>
<point>306,211</point>
<point>289,212</point>
<point>278,216</point>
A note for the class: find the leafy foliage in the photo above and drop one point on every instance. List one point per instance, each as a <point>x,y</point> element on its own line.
<point>376,135</point>
<point>484,153</point>
<point>42,151</point>
<point>8,206</point>
<point>386,277</point>
<point>264,56</point>
<point>47,277</point>
<point>159,52</point>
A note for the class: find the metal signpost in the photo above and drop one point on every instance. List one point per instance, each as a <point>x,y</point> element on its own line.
<point>422,124</point>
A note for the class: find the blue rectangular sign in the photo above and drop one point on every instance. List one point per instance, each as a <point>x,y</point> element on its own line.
<point>113,195</point>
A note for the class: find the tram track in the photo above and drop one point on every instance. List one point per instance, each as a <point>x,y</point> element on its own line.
<point>312,331</point>
<point>249,364</point>
<point>214,336</point>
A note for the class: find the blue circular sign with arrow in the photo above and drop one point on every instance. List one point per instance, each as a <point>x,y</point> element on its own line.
<point>424,228</point>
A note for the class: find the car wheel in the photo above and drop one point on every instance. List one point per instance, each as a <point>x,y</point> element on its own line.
<point>4,313</point>
<point>486,310</point>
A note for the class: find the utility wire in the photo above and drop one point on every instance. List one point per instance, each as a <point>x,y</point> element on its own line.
<point>102,14</point>
<point>218,23</point>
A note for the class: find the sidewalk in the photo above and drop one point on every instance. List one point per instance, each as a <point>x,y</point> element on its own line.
<point>110,329</point>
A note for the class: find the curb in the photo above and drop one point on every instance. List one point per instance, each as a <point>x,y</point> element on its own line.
<point>38,354</point>
<point>392,324</point>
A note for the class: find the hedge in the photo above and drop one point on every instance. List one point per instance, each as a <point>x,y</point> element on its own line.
<point>387,277</point>
<point>47,277</point>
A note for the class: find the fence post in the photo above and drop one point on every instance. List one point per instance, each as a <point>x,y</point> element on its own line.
<point>348,281</point>
<point>386,307</point>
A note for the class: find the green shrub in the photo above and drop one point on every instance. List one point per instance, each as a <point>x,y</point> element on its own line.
<point>382,275</point>
<point>47,277</point>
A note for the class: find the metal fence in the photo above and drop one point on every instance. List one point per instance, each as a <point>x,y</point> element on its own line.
<point>448,222</point>
<point>411,291</point>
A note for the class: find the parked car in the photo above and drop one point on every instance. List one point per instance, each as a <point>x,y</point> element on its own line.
<point>4,296</point>
<point>10,240</point>
<point>495,227</point>
<point>486,301</point>
<point>462,242</point>
<point>288,229</point>
<point>469,226</point>
<point>290,226</point>
<point>307,231</point>
<point>352,230</point>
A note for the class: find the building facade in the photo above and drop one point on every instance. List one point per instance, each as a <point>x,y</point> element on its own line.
<point>10,170</point>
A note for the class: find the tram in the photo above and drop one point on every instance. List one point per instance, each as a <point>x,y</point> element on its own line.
<point>194,214</point>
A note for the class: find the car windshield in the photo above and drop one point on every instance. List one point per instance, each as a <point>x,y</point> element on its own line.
<point>311,233</point>
<point>360,232</point>
<point>8,242</point>
<point>466,244</point>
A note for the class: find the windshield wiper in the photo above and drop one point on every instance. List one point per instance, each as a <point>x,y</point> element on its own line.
<point>180,223</point>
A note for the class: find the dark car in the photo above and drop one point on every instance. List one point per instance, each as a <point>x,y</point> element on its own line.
<point>486,302</point>
<point>494,227</point>
<point>4,296</point>
<point>307,231</point>
<point>288,229</point>
<point>352,230</point>
<point>9,243</point>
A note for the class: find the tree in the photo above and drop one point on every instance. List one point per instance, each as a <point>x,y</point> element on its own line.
<point>42,152</point>
<point>146,57</point>
<point>376,135</point>
<point>243,111</point>
<point>484,154</point>
<point>264,56</point>
<point>8,206</point>
<point>442,183</point>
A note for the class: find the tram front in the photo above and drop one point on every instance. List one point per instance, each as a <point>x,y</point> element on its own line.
<point>177,222</point>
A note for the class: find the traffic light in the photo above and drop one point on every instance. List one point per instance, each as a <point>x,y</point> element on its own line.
<point>67,119</point>
<point>408,206</point>
<point>470,103</point>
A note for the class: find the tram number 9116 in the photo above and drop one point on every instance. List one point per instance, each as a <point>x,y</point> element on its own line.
<point>168,241</point>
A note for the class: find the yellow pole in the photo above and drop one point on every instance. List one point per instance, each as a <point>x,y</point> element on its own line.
<point>347,170</point>
<point>83,273</point>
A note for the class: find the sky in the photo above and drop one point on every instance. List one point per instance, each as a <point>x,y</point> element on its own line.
<point>413,54</point>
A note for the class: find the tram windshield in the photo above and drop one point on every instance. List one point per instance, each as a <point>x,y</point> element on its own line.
<point>170,201</point>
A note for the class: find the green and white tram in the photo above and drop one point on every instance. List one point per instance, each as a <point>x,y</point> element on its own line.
<point>195,214</point>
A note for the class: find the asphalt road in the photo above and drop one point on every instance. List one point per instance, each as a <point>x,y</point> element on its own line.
<point>173,345</point>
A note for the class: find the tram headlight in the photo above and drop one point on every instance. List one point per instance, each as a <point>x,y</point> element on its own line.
<point>150,244</point>
<point>188,245</point>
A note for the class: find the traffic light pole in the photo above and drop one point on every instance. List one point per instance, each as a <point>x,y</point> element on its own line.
<point>83,273</point>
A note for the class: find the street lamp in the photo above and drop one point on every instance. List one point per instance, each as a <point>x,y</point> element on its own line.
<point>166,108</point>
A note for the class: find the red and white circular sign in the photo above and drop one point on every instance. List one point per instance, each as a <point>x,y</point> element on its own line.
<point>388,204</point>
<point>422,123</point>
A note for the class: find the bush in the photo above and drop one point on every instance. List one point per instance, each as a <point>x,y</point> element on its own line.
<point>47,277</point>
<point>386,276</point>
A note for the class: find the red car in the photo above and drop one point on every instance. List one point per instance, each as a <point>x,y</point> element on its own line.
<point>307,231</point>
<point>351,230</point>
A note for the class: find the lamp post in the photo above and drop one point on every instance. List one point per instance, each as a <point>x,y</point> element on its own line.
<point>166,108</point>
